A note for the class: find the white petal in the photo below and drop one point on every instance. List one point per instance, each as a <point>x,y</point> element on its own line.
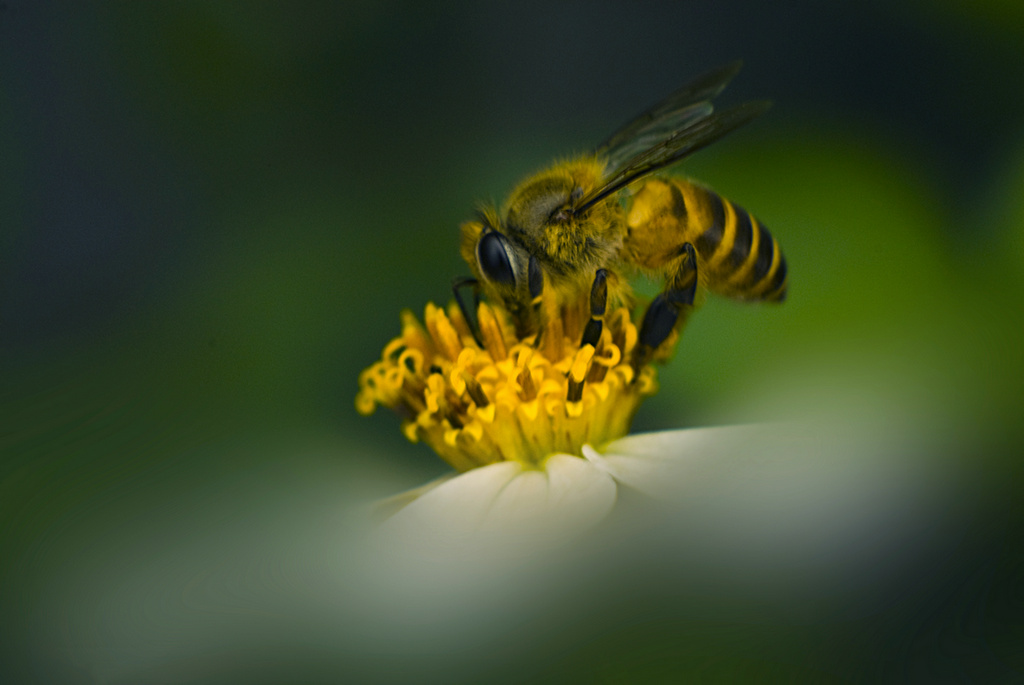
<point>667,463</point>
<point>504,504</point>
<point>454,509</point>
<point>794,507</point>
<point>569,495</point>
<point>580,495</point>
<point>522,502</point>
<point>384,509</point>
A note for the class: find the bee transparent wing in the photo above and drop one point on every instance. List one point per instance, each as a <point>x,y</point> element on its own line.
<point>655,133</point>
<point>672,113</point>
<point>698,133</point>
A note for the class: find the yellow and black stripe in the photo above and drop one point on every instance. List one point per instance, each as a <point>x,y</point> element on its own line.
<point>741,257</point>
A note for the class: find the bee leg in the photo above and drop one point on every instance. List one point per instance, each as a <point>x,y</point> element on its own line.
<point>668,310</point>
<point>592,331</point>
<point>598,303</point>
<point>469,316</point>
<point>535,282</point>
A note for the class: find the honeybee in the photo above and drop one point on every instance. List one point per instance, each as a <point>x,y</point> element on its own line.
<point>590,222</point>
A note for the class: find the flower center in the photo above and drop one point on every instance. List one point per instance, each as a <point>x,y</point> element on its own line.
<point>477,400</point>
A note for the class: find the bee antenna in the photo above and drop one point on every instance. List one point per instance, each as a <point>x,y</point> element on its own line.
<point>572,209</point>
<point>487,216</point>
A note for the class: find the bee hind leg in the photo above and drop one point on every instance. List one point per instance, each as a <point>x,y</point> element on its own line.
<point>668,310</point>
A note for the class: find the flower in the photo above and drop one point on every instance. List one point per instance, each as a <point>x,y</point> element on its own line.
<point>518,417</point>
<point>504,398</point>
<point>563,494</point>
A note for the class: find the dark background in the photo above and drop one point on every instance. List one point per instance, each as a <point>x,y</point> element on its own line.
<point>211,215</point>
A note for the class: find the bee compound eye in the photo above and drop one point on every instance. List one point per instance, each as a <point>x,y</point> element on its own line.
<point>492,253</point>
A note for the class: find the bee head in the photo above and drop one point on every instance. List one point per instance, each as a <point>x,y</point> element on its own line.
<point>507,268</point>
<point>541,239</point>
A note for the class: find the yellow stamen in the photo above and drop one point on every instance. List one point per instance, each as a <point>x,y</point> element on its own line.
<point>581,363</point>
<point>508,398</point>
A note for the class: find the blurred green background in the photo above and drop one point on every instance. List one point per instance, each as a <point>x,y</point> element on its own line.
<point>211,215</point>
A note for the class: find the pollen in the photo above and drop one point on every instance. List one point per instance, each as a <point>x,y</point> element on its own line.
<point>480,399</point>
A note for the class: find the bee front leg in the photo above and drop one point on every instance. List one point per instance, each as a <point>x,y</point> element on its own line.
<point>592,331</point>
<point>470,316</point>
<point>535,284</point>
<point>668,310</point>
<point>598,304</point>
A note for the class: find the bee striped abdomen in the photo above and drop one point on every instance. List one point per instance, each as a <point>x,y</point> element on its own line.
<point>741,257</point>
